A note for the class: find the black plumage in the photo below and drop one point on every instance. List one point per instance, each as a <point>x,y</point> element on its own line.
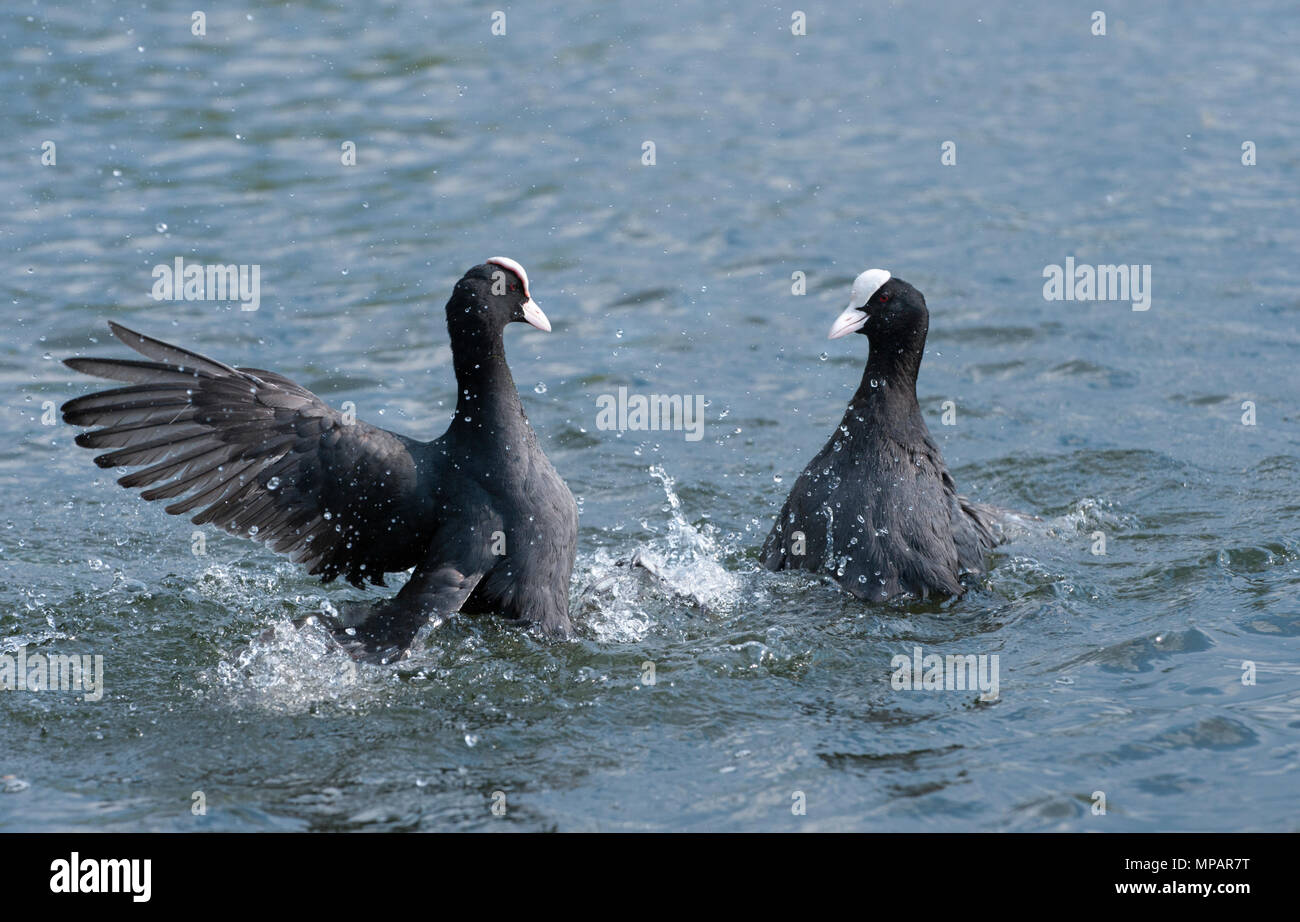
<point>876,509</point>
<point>480,513</point>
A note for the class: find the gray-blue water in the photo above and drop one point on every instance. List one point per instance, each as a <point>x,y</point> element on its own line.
<point>1120,673</point>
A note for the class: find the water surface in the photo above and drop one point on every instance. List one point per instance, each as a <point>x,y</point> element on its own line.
<point>775,154</point>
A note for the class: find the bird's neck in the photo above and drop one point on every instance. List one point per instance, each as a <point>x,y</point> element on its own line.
<point>486,397</point>
<point>885,401</point>
<point>891,371</point>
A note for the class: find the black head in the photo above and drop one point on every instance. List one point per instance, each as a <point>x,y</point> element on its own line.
<point>884,308</point>
<point>491,295</point>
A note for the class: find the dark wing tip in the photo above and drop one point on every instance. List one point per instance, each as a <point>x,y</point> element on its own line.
<point>76,362</point>
<point>122,332</point>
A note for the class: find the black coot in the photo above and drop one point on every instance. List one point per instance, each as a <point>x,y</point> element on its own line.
<point>480,513</point>
<point>876,508</point>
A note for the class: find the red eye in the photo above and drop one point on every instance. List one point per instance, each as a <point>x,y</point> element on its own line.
<point>884,299</point>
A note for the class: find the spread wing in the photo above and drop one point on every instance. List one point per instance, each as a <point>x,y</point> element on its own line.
<point>260,457</point>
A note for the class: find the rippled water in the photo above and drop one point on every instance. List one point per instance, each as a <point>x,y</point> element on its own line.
<point>1119,673</point>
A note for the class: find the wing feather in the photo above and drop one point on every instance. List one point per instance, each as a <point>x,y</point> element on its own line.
<point>259,456</point>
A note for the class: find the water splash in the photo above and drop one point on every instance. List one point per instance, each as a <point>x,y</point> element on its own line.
<point>627,588</point>
<point>687,557</point>
<point>290,668</point>
<point>1090,513</point>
